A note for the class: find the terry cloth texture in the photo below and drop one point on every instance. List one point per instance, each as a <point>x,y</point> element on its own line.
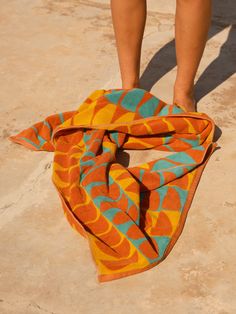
<point>131,216</point>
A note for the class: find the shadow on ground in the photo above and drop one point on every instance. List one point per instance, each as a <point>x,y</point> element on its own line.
<point>218,71</point>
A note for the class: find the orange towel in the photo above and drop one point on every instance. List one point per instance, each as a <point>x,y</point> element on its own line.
<point>131,216</point>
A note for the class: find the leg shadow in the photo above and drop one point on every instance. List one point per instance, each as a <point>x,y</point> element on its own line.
<point>217,72</point>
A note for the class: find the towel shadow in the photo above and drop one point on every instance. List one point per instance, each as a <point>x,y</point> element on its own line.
<point>123,158</point>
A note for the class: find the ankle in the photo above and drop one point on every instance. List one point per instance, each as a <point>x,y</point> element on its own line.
<point>130,84</point>
<point>184,89</point>
<point>186,93</point>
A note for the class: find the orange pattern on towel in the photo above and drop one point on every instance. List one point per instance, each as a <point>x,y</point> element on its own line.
<point>131,216</point>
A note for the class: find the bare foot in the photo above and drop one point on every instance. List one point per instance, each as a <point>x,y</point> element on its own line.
<point>185,101</point>
<point>129,85</point>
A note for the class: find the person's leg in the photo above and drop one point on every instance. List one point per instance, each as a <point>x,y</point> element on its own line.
<point>129,18</point>
<point>192,21</point>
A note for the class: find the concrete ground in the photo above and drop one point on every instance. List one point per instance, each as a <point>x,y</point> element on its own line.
<point>53,54</point>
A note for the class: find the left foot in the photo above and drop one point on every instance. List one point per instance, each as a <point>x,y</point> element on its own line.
<point>186,100</point>
<point>130,85</point>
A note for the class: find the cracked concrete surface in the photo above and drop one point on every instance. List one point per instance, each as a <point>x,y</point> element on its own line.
<point>53,54</point>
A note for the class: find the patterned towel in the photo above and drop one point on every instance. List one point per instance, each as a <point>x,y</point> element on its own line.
<point>131,216</point>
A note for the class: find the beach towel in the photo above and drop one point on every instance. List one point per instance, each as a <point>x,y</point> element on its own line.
<point>131,216</point>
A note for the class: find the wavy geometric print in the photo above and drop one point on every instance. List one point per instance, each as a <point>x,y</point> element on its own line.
<point>131,216</point>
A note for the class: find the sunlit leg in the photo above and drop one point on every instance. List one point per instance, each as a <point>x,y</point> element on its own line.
<point>192,22</point>
<point>129,18</point>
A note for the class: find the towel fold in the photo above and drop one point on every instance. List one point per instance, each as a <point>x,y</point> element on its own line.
<point>131,216</point>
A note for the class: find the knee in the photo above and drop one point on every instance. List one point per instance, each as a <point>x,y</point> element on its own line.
<point>193,2</point>
<point>194,5</point>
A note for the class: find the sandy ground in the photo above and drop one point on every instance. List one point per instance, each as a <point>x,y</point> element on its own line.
<point>53,54</point>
